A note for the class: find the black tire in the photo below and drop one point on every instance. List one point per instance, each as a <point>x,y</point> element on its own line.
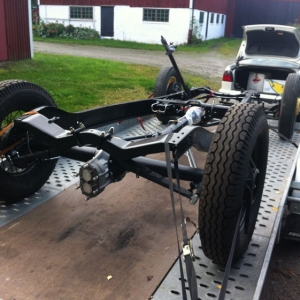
<point>239,148</point>
<point>17,97</point>
<point>167,83</point>
<point>287,117</point>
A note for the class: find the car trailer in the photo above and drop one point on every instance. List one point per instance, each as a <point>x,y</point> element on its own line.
<point>240,191</point>
<point>247,276</point>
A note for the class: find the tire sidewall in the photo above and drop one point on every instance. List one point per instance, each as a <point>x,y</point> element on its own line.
<point>287,117</point>
<point>260,137</point>
<point>224,180</point>
<point>162,81</point>
<point>23,96</point>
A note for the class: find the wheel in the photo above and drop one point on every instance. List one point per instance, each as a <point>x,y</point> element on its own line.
<point>167,83</point>
<point>289,108</point>
<point>17,97</point>
<point>233,181</point>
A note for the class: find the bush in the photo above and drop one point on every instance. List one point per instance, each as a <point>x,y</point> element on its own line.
<point>60,30</point>
<point>196,37</point>
<point>69,29</point>
<point>82,33</point>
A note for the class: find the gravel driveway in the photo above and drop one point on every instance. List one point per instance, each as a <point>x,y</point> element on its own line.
<point>204,64</point>
<point>284,271</point>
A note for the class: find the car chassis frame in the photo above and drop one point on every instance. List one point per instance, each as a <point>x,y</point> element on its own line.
<point>68,134</point>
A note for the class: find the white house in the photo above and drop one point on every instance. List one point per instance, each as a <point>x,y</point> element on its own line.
<point>135,21</point>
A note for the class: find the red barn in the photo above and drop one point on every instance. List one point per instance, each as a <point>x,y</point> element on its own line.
<point>15,29</point>
<point>248,12</point>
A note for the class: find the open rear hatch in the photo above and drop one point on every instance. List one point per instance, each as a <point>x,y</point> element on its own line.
<point>265,46</point>
<point>272,42</point>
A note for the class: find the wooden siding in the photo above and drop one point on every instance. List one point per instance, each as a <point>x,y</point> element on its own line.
<point>133,3</point>
<point>3,44</point>
<point>218,6</point>
<point>17,29</point>
<point>250,12</point>
<point>231,9</point>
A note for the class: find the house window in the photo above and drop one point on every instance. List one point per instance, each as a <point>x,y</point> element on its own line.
<point>201,18</point>
<point>212,16</point>
<point>218,18</point>
<point>156,15</point>
<point>222,19</point>
<point>81,12</point>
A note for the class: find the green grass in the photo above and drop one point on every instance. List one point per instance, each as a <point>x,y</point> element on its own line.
<point>224,46</point>
<point>230,47</point>
<point>81,83</point>
<point>102,43</point>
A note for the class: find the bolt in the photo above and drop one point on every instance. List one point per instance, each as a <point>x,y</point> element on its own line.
<point>193,200</point>
<point>111,130</point>
<point>80,124</point>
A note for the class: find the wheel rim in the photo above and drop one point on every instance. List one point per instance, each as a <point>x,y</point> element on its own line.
<point>297,107</point>
<point>173,86</point>
<point>10,118</point>
<point>6,163</point>
<point>252,186</point>
<point>251,182</point>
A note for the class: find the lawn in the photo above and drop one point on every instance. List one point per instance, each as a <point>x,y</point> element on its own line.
<point>81,83</point>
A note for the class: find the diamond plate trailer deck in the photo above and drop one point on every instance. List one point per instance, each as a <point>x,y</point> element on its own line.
<point>248,275</point>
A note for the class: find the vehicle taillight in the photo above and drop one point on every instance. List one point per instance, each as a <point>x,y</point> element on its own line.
<point>227,76</point>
